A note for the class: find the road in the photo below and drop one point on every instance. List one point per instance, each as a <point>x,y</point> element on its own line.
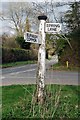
<point>27,75</point>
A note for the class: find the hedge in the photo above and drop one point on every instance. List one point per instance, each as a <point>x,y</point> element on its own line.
<point>0,55</point>
<point>14,55</point>
<point>71,55</point>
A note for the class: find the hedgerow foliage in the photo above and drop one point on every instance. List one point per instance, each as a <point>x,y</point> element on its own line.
<point>16,54</point>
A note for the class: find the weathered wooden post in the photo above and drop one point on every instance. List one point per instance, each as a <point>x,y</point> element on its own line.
<point>40,39</point>
<point>41,60</point>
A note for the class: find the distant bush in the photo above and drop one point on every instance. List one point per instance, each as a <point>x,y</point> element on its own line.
<point>24,45</point>
<point>9,42</point>
<point>13,55</point>
<point>71,55</point>
<point>0,55</point>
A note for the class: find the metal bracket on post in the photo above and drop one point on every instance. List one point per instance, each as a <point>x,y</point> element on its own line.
<point>41,60</point>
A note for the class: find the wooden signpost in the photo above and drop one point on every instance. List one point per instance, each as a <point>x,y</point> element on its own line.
<point>40,39</point>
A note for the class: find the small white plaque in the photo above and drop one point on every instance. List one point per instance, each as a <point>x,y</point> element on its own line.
<point>52,27</point>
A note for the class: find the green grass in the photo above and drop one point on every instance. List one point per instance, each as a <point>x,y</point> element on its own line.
<point>61,102</point>
<point>17,64</point>
<point>60,67</point>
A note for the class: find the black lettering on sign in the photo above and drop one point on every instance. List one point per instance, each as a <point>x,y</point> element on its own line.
<point>31,37</point>
<point>51,29</point>
<point>53,25</point>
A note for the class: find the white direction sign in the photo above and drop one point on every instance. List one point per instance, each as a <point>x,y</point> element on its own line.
<point>52,27</point>
<point>31,37</point>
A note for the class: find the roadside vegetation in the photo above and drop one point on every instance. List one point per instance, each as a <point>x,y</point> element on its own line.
<point>14,64</point>
<point>61,67</point>
<point>15,51</point>
<point>70,52</point>
<point>61,102</point>
<point>16,55</point>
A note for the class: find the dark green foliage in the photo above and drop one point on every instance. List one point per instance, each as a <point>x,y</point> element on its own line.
<point>60,45</point>
<point>76,35</point>
<point>13,55</point>
<point>22,43</point>
<point>50,45</point>
<point>72,19</point>
<point>71,55</point>
<point>0,55</point>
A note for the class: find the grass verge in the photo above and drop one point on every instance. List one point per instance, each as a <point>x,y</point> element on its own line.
<point>13,64</point>
<point>61,102</point>
<point>60,67</point>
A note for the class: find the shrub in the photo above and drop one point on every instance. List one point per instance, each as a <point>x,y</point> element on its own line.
<point>71,55</point>
<point>24,45</point>
<point>14,55</point>
<point>9,42</point>
<point>0,55</point>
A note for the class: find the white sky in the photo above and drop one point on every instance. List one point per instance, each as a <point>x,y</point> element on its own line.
<point>3,24</point>
<point>37,0</point>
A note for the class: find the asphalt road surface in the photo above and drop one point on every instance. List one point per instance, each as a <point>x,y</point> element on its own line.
<point>27,75</point>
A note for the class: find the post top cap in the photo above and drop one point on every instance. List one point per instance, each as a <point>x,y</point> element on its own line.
<point>42,17</point>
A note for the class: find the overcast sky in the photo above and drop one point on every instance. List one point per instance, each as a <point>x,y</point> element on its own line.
<point>37,0</point>
<point>4,2</point>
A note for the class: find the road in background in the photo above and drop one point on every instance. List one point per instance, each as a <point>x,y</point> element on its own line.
<point>27,75</point>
